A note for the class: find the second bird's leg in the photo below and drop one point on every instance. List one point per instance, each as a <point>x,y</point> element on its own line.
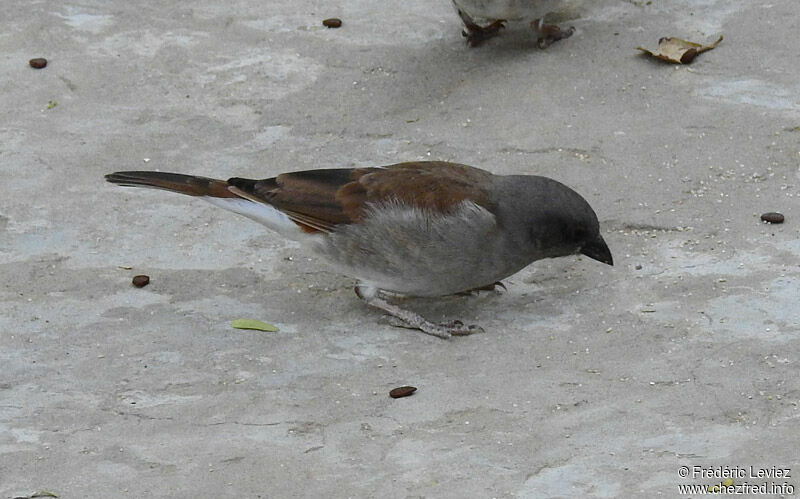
<point>549,33</point>
<point>476,34</point>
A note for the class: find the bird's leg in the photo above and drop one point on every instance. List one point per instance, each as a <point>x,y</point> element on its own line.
<point>549,33</point>
<point>476,34</point>
<point>406,317</point>
<point>402,317</point>
<point>454,327</point>
<point>488,287</point>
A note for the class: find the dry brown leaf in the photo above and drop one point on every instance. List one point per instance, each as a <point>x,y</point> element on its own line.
<point>678,51</point>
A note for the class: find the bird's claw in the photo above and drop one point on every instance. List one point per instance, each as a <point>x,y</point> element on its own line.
<point>476,34</point>
<point>441,330</point>
<point>457,328</point>
<point>549,33</point>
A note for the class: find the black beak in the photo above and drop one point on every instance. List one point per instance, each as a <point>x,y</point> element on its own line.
<point>598,250</point>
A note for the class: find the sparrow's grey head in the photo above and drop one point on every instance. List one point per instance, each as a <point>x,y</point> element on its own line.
<point>548,218</point>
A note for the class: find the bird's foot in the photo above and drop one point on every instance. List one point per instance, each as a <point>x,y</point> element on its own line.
<point>458,328</point>
<point>489,287</point>
<point>442,330</point>
<point>476,34</point>
<point>549,33</point>
<point>401,317</point>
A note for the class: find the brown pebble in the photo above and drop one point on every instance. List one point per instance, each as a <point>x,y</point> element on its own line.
<point>772,217</point>
<point>38,62</point>
<point>402,391</point>
<point>333,22</point>
<point>141,281</point>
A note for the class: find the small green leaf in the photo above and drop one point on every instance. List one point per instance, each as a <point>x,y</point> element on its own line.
<point>253,324</point>
<point>52,104</point>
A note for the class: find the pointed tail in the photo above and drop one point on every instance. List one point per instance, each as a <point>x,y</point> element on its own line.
<point>231,196</point>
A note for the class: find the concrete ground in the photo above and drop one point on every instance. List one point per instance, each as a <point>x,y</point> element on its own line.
<point>590,381</point>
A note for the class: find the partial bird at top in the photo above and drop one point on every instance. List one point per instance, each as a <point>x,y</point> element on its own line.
<point>483,19</point>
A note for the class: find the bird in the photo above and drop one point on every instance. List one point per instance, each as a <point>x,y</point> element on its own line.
<point>420,228</point>
<point>484,19</point>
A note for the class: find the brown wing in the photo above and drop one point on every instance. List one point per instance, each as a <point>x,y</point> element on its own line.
<point>318,200</point>
<point>307,197</point>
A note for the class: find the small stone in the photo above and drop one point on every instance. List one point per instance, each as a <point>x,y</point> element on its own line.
<point>38,62</point>
<point>772,217</point>
<point>141,281</point>
<point>402,391</point>
<point>333,22</point>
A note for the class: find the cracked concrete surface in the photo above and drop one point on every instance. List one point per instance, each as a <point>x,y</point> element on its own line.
<point>589,382</point>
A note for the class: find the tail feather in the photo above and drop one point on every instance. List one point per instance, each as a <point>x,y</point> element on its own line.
<point>185,184</point>
<point>224,194</point>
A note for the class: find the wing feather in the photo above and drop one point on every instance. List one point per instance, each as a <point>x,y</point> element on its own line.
<point>322,199</point>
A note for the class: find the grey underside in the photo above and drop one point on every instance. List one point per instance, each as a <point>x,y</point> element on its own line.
<point>403,250</point>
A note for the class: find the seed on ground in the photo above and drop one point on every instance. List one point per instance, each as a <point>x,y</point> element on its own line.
<point>402,391</point>
<point>772,217</point>
<point>141,281</point>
